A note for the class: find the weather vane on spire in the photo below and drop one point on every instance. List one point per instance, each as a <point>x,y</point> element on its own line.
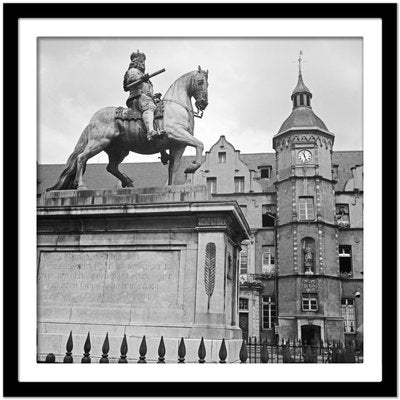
<point>300,60</point>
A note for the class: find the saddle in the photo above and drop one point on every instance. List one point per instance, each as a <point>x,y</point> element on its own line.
<point>134,113</point>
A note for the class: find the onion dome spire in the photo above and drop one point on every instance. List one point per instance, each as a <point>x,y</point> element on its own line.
<point>301,95</point>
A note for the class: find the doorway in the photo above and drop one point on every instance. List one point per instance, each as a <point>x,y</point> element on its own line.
<point>244,325</point>
<point>311,334</point>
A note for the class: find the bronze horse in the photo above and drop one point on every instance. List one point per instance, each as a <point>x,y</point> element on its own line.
<point>117,139</point>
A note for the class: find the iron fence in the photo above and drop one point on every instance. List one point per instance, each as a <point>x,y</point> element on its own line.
<point>297,351</point>
<point>289,351</point>
<point>141,359</point>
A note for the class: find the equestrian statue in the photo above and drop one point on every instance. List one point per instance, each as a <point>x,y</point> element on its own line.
<point>149,125</point>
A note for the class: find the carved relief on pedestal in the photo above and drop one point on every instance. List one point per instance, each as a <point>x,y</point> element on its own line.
<point>209,270</point>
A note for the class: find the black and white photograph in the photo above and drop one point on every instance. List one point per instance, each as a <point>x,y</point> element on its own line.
<point>221,198</point>
<point>206,192</point>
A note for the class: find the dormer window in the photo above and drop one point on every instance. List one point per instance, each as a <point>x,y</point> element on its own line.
<point>222,157</point>
<point>265,172</point>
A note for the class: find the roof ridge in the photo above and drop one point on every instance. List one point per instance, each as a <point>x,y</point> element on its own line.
<point>190,156</point>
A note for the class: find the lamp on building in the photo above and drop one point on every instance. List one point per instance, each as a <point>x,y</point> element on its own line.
<point>357,294</point>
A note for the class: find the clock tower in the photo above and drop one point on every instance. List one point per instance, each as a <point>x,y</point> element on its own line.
<point>308,282</point>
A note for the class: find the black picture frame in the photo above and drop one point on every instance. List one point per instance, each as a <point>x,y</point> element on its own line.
<point>12,386</point>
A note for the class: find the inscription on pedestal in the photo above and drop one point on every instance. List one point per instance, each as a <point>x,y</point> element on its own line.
<point>138,278</point>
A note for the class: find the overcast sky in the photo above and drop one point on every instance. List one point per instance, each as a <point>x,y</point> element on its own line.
<point>250,83</point>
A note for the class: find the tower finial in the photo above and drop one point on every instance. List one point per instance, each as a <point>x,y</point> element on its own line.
<point>300,60</point>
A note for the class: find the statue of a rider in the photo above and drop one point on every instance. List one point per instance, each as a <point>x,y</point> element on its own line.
<point>141,95</point>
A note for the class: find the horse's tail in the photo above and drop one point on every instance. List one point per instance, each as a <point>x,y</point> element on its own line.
<point>67,177</point>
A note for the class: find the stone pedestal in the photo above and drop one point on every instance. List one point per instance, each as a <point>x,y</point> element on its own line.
<point>139,262</point>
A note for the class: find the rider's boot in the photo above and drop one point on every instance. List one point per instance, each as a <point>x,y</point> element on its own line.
<point>148,119</point>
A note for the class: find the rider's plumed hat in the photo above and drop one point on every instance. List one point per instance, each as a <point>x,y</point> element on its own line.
<point>138,56</point>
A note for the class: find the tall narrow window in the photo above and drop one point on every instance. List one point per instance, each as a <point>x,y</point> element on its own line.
<point>268,215</point>
<point>212,185</point>
<point>268,259</point>
<point>222,157</point>
<point>306,208</point>
<point>345,261</point>
<point>243,304</point>
<point>268,312</point>
<point>243,260</point>
<point>348,314</point>
<point>189,178</point>
<point>301,100</point>
<point>309,302</point>
<point>239,184</point>
<point>335,172</point>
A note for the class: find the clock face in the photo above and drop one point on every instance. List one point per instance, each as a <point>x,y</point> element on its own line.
<point>304,156</point>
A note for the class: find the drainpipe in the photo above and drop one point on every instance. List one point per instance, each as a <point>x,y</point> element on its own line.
<point>276,275</point>
<point>251,189</point>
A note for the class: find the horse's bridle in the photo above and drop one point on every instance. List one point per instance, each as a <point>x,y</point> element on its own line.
<point>198,113</point>
<point>196,92</point>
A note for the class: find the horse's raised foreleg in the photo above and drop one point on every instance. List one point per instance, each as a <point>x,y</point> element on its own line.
<point>174,163</point>
<point>115,158</point>
<point>184,138</point>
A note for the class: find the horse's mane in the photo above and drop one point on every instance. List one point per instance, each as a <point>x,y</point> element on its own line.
<point>183,77</point>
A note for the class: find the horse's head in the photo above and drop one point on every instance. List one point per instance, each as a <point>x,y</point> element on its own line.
<point>199,88</point>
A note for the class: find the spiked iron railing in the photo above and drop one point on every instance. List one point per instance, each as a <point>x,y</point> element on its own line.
<point>297,351</point>
<point>105,349</point>
<point>287,351</point>
<point>86,348</point>
<point>161,352</point>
